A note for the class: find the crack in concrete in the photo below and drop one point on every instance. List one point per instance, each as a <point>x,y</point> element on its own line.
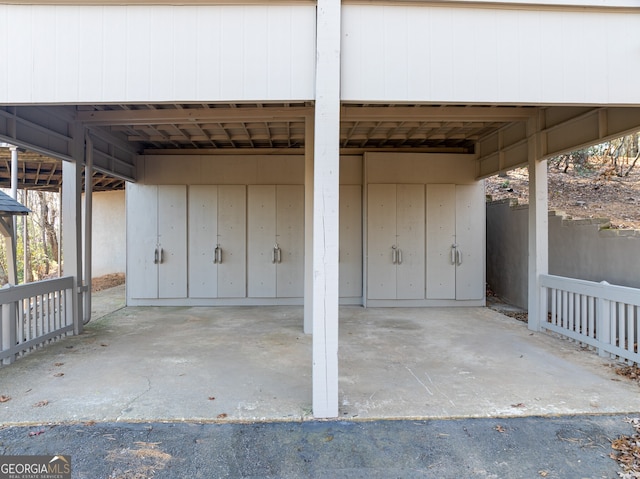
<point>130,403</point>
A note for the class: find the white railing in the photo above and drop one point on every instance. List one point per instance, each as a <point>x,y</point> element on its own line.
<point>34,314</point>
<point>601,315</point>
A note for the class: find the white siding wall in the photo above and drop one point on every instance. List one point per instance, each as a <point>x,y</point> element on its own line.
<point>486,55</point>
<point>76,54</point>
<point>108,236</point>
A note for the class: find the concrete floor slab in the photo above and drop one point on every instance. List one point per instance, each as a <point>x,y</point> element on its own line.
<point>254,363</point>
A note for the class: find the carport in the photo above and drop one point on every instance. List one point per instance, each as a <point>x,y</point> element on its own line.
<point>326,96</point>
<point>253,364</point>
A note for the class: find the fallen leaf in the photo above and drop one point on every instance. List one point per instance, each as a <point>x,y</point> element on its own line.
<point>211,398</point>
<point>500,428</point>
<point>222,416</point>
<point>58,375</point>
<point>104,345</point>
<point>520,404</point>
<point>58,364</point>
<point>89,423</point>
<point>36,433</point>
<point>5,398</point>
<point>41,403</point>
<point>543,473</point>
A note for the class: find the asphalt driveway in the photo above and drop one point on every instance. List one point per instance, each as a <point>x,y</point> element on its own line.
<point>532,447</point>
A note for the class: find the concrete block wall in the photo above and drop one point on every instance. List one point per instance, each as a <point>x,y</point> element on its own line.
<point>581,249</point>
<point>108,252</point>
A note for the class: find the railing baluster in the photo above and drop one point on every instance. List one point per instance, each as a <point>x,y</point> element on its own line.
<point>630,329</point>
<point>571,315</point>
<point>583,316</point>
<point>565,309</point>
<point>622,336</point>
<point>592,313</point>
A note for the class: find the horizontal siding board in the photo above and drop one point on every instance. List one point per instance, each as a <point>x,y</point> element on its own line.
<point>154,53</point>
<point>479,55</point>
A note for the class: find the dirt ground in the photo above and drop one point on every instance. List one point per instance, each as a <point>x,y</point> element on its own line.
<point>107,281</point>
<point>581,193</point>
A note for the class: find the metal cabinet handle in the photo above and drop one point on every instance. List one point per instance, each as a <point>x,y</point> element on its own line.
<point>399,256</point>
<point>279,254</point>
<point>394,254</point>
<point>459,256</point>
<point>453,253</point>
<point>217,255</point>
<point>161,256</point>
<point>276,255</point>
<point>155,256</point>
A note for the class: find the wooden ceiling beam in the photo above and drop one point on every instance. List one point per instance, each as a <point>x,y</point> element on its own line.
<point>174,115</point>
<point>436,113</point>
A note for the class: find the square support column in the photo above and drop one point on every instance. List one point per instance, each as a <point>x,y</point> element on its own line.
<point>308,223</point>
<point>538,228</point>
<point>72,224</point>
<point>326,183</point>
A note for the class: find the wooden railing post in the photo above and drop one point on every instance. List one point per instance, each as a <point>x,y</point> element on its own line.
<point>543,312</point>
<point>8,330</point>
<point>603,329</point>
<point>70,305</point>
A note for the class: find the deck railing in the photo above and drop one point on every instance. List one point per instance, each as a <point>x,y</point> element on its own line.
<point>34,314</point>
<point>601,315</point>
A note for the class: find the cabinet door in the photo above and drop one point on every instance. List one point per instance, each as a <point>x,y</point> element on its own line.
<point>232,238</point>
<point>350,241</point>
<point>290,239</point>
<point>410,218</point>
<point>470,234</point>
<point>142,238</point>
<point>203,233</point>
<point>261,219</point>
<point>381,238</point>
<point>172,238</point>
<point>441,231</point>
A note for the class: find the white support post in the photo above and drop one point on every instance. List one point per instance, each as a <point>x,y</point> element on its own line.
<point>325,207</point>
<point>88,215</point>
<point>538,228</point>
<point>11,244</point>
<point>72,223</point>
<point>308,224</point>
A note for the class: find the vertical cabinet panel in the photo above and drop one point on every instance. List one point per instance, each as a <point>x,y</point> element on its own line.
<point>172,241</point>
<point>232,240</point>
<point>470,228</point>
<point>157,238</point>
<point>142,240</point>
<point>350,241</point>
<point>276,241</point>
<point>455,242</point>
<point>203,232</point>
<point>290,240</point>
<point>410,233</point>
<point>381,238</point>
<point>441,236</point>
<point>395,242</point>
<point>217,219</point>
<point>261,213</point>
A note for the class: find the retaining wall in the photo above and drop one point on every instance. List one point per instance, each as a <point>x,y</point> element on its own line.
<point>582,249</point>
